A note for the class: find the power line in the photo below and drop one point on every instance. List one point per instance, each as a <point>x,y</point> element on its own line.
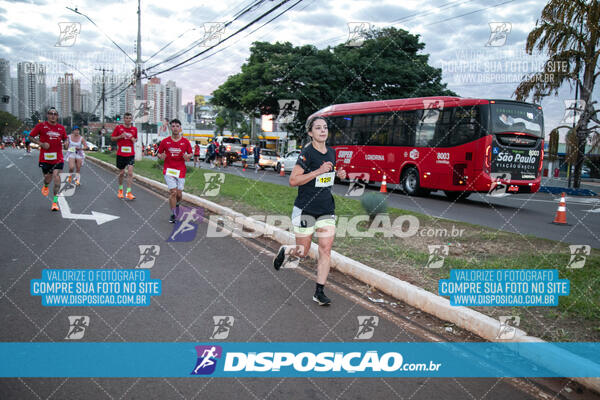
<point>421,14</point>
<point>108,37</point>
<point>411,17</point>
<point>193,29</point>
<point>241,13</point>
<point>224,40</point>
<point>168,44</point>
<point>236,42</point>
<point>469,13</point>
<point>124,89</point>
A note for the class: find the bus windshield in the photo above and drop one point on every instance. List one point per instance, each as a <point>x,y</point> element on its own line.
<point>511,117</point>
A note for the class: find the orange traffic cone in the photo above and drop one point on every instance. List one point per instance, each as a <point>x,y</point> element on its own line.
<point>383,185</point>
<point>281,171</point>
<point>561,213</point>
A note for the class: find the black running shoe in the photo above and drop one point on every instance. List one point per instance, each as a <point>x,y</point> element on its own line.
<point>172,219</point>
<point>321,298</point>
<point>279,258</point>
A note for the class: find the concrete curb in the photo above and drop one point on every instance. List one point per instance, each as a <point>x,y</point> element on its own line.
<point>464,317</point>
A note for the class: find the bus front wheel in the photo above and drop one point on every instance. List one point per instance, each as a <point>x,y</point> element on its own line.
<point>410,182</point>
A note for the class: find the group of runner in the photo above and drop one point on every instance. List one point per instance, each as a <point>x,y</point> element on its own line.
<point>51,137</point>
<point>313,174</point>
<point>216,154</point>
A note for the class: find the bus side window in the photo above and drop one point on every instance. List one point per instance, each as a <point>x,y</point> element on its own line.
<point>467,126</point>
<point>339,130</point>
<point>405,128</point>
<point>426,127</point>
<point>443,129</point>
<point>381,129</point>
<point>333,125</point>
<point>361,129</point>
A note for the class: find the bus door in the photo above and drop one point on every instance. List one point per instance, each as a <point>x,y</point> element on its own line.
<point>460,148</point>
<point>433,160</point>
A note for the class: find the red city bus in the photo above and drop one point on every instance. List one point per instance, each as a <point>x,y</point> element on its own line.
<point>458,145</point>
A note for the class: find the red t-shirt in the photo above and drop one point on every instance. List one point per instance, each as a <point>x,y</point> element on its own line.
<point>54,135</point>
<point>125,146</point>
<point>174,162</point>
<point>196,150</point>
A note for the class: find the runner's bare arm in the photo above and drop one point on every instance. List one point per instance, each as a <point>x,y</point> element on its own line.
<point>298,177</point>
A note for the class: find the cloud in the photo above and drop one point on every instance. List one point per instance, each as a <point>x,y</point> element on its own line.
<point>383,13</point>
<point>460,39</point>
<point>319,19</point>
<point>164,12</point>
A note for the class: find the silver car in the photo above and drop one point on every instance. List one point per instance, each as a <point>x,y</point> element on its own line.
<point>268,159</point>
<point>289,161</point>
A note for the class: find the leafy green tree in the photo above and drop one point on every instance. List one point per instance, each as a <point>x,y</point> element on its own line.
<point>388,65</point>
<point>220,124</point>
<point>9,124</point>
<point>36,117</point>
<point>569,33</point>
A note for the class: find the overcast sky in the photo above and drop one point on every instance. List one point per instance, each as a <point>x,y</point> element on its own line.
<point>456,33</point>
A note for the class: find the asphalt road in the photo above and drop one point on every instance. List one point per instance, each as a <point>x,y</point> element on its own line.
<point>201,279</point>
<point>525,214</point>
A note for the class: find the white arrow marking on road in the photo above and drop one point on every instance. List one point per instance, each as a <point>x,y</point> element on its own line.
<point>596,210</point>
<point>10,165</point>
<point>99,217</point>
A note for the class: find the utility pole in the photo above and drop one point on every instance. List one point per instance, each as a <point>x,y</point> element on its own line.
<point>138,81</point>
<point>103,98</point>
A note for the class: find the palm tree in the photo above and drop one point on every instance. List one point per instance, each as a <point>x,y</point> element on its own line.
<point>569,32</point>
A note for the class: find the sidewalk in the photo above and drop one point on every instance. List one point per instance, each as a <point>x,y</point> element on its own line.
<point>589,187</point>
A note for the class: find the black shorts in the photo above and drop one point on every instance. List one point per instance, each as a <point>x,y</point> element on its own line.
<point>47,168</point>
<point>123,161</point>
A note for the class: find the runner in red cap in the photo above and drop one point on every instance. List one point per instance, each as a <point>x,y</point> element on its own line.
<point>51,137</point>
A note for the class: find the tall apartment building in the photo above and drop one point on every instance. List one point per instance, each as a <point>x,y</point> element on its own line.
<point>130,99</point>
<point>31,89</point>
<point>155,92</point>
<point>115,95</point>
<point>87,101</point>
<point>69,94</point>
<point>52,98</point>
<point>172,100</point>
<point>14,102</point>
<point>5,86</point>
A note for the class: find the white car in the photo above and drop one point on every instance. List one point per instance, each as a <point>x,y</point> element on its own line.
<point>91,146</point>
<point>268,159</point>
<point>288,161</point>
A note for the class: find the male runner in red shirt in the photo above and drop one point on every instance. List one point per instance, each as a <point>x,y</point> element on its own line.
<point>196,153</point>
<point>125,135</point>
<point>51,137</point>
<point>175,150</point>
